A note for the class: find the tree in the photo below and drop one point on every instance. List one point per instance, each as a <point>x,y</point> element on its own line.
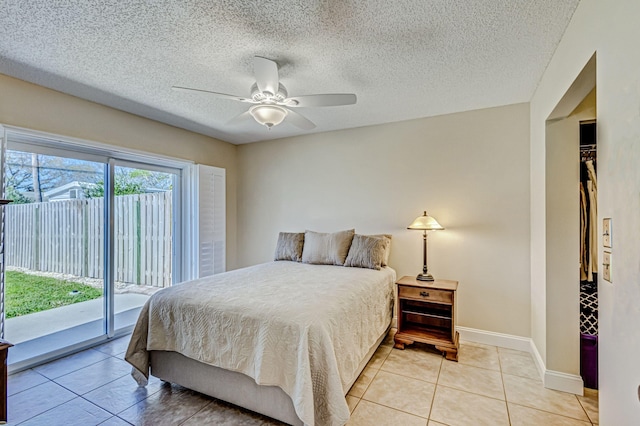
<point>33,174</point>
<point>132,181</point>
<point>29,175</point>
<point>120,187</point>
<point>152,180</point>
<point>11,193</point>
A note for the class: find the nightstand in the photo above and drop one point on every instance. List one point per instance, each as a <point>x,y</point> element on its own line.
<point>427,314</point>
<point>4,349</point>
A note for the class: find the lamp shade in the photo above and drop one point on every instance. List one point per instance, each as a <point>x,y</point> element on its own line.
<point>425,223</point>
<point>268,115</point>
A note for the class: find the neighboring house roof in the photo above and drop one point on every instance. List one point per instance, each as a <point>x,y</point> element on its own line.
<point>67,191</point>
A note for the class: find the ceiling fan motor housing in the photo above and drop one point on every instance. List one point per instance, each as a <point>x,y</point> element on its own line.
<point>266,97</point>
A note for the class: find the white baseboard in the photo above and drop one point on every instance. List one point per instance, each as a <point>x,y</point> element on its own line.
<point>507,341</point>
<point>563,382</point>
<point>551,379</point>
<point>537,359</point>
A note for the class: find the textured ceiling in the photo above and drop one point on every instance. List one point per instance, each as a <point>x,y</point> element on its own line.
<point>404,59</point>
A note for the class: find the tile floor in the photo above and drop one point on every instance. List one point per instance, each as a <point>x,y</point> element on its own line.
<point>488,385</point>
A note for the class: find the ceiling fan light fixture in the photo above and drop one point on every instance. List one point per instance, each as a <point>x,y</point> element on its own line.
<point>271,104</point>
<point>268,115</point>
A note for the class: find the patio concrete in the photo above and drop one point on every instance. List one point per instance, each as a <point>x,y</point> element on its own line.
<point>28,327</point>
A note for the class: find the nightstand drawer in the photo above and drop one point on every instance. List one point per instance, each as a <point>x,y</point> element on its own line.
<point>418,293</point>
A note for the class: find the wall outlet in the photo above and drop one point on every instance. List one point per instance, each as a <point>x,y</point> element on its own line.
<point>606,232</point>
<point>606,266</point>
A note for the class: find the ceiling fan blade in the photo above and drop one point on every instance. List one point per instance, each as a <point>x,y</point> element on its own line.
<point>299,121</point>
<point>266,73</point>
<point>216,94</point>
<point>240,118</point>
<point>329,99</point>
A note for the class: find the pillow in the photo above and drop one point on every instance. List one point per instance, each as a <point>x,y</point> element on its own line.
<point>387,248</point>
<point>366,252</point>
<point>289,246</point>
<point>326,249</point>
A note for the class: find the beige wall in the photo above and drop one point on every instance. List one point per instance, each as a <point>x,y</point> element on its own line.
<point>34,107</point>
<point>563,238</point>
<point>469,170</point>
<point>610,30</point>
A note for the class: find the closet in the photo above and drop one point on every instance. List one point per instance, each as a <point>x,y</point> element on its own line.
<point>588,255</point>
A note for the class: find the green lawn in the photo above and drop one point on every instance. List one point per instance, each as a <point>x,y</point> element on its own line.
<point>26,294</point>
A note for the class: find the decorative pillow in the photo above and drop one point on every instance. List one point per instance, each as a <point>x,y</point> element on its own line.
<point>366,252</point>
<point>387,248</point>
<point>326,249</point>
<point>289,246</point>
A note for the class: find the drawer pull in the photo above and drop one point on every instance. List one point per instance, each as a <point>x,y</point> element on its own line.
<point>424,294</point>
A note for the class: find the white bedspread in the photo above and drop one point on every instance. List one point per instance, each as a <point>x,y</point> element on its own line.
<point>304,328</point>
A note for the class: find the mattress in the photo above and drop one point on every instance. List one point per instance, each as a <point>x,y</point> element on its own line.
<point>304,328</point>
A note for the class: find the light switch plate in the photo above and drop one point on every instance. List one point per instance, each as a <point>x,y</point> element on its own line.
<point>606,232</point>
<point>606,266</point>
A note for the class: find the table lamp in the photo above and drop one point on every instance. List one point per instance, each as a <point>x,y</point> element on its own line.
<point>425,223</point>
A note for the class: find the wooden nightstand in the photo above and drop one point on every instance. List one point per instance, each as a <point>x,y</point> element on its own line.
<point>4,349</point>
<point>427,314</point>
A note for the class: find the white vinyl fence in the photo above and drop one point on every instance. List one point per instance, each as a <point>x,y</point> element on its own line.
<point>67,237</point>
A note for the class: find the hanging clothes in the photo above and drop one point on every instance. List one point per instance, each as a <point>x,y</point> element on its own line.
<point>584,253</point>
<point>592,190</point>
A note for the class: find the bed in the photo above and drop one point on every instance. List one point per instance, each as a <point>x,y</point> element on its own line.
<point>285,339</point>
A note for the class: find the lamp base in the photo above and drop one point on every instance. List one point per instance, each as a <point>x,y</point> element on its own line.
<point>425,277</point>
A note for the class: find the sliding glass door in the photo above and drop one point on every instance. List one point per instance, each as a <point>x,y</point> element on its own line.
<point>144,236</point>
<point>54,256</point>
<point>88,239</point>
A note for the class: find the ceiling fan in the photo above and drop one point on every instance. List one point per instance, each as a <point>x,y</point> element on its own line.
<point>271,103</point>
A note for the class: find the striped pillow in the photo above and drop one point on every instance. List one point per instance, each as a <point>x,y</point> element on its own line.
<point>366,252</point>
<point>387,247</point>
<point>326,249</point>
<point>289,246</point>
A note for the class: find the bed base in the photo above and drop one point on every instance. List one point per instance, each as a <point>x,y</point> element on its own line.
<point>232,387</point>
